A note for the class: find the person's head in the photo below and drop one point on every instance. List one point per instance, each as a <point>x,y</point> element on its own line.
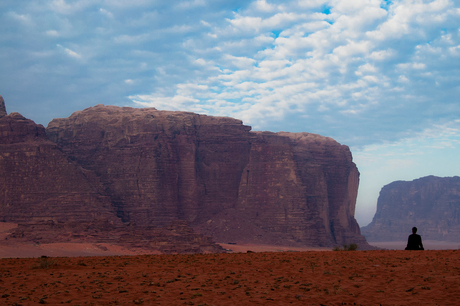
<point>414,230</point>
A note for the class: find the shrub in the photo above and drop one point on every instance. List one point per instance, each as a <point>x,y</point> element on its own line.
<point>347,247</point>
<point>45,263</point>
<point>350,247</point>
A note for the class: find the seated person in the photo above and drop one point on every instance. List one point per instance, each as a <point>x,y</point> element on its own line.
<point>415,241</point>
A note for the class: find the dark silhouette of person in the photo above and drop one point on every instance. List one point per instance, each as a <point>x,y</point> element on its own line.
<point>414,242</point>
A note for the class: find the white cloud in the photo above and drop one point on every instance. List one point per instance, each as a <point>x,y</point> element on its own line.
<point>176,103</point>
<point>382,54</point>
<point>70,53</point>
<point>246,22</point>
<point>403,79</point>
<point>24,19</point>
<point>366,68</point>
<point>263,6</point>
<point>106,12</point>
<point>130,39</point>
<point>240,62</point>
<point>455,51</point>
<point>63,7</point>
<point>127,3</point>
<point>190,4</point>
<point>206,24</point>
<point>52,33</point>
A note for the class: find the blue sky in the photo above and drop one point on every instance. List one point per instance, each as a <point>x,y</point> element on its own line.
<point>382,77</point>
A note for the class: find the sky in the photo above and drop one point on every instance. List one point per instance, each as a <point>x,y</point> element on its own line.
<point>382,77</point>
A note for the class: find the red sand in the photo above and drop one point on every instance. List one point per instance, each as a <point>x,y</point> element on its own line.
<point>243,248</point>
<point>278,278</point>
<point>427,244</point>
<point>66,250</point>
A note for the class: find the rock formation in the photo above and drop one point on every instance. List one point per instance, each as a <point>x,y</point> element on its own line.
<point>38,182</point>
<point>227,182</point>
<point>2,107</point>
<point>141,177</point>
<point>431,203</point>
<point>54,199</point>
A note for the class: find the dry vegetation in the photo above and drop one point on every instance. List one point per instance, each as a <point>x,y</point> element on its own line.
<point>306,278</point>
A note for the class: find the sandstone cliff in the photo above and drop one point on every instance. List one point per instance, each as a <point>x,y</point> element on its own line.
<point>54,199</point>
<point>38,182</point>
<point>227,182</point>
<point>431,203</point>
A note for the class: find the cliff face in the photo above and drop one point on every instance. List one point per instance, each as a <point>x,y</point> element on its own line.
<point>431,203</point>
<point>38,182</point>
<point>54,199</point>
<point>227,182</point>
<point>295,189</point>
<point>157,166</point>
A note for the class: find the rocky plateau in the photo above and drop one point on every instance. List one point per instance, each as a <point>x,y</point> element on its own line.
<point>134,176</point>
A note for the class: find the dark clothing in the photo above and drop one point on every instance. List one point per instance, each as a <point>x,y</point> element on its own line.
<point>414,242</point>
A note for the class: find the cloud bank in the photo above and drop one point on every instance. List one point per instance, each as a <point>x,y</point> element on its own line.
<point>359,71</point>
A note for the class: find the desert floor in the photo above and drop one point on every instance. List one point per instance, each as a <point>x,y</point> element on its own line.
<point>427,244</point>
<point>265,278</point>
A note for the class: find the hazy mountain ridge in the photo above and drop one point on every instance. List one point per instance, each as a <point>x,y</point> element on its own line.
<point>431,203</point>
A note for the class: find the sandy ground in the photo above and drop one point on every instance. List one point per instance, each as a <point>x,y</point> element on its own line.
<point>104,249</point>
<point>60,249</point>
<point>243,248</point>
<point>272,278</point>
<point>66,250</point>
<point>427,244</point>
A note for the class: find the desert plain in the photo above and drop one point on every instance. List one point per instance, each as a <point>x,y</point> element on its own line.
<point>382,277</point>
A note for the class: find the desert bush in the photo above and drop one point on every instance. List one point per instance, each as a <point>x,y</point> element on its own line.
<point>347,247</point>
<point>45,263</point>
<point>350,247</point>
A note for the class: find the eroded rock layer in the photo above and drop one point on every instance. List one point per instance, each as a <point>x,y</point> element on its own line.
<point>227,182</point>
<point>431,203</point>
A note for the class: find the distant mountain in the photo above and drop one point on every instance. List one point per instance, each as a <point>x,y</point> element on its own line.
<point>144,168</point>
<point>431,203</point>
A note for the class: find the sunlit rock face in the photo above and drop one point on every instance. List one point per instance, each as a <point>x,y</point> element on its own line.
<point>432,204</point>
<point>213,172</point>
